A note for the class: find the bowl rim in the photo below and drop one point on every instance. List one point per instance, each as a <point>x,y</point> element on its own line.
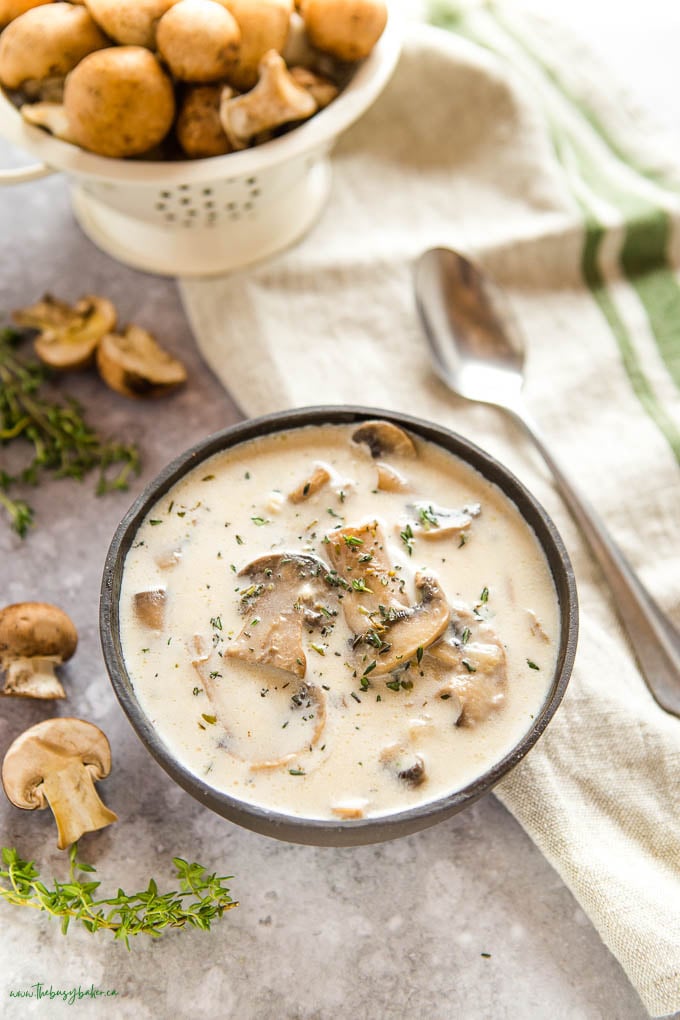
<point>364,87</point>
<point>327,832</point>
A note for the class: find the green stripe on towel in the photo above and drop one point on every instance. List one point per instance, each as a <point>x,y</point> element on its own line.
<point>644,252</point>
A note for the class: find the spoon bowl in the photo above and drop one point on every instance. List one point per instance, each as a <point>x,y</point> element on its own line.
<point>477,350</point>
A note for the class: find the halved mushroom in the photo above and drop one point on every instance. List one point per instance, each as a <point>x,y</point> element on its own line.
<point>436,522</point>
<point>276,99</point>
<point>284,587</point>
<point>35,637</point>
<point>408,633</point>
<point>150,607</point>
<point>383,439</point>
<point>319,477</point>
<point>57,762</point>
<point>68,336</point>
<point>471,666</point>
<point>135,365</point>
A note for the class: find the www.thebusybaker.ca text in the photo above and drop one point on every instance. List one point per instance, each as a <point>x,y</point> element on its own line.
<point>68,995</point>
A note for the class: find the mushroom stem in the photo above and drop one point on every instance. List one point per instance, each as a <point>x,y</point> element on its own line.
<point>75,803</point>
<point>33,678</point>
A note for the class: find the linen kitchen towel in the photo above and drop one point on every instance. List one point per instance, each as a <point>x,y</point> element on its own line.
<point>500,140</point>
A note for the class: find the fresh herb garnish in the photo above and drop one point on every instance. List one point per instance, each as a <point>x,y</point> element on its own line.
<point>200,900</point>
<point>352,540</point>
<point>407,538</point>
<point>358,584</point>
<point>484,597</point>
<point>63,444</point>
<point>532,665</point>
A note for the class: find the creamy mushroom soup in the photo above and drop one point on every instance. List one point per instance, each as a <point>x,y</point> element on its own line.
<point>338,621</point>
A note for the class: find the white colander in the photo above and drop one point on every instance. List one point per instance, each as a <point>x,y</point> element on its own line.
<point>206,216</point>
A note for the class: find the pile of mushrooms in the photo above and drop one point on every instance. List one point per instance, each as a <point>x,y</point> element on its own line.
<point>126,78</point>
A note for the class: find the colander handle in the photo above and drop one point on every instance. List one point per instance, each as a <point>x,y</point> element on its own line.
<point>23,174</point>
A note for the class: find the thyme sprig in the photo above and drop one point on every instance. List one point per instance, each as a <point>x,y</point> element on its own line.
<point>62,442</point>
<point>201,899</point>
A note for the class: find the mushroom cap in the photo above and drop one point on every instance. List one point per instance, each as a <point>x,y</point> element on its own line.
<point>199,40</point>
<point>119,102</point>
<point>11,9</point>
<point>130,22</point>
<point>47,41</point>
<point>49,745</point>
<point>29,629</point>
<point>347,29</point>
<point>264,26</point>
<point>199,128</point>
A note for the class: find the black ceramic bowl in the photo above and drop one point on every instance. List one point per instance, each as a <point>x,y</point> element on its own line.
<point>331,832</point>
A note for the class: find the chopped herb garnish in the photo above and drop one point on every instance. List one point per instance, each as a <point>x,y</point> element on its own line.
<point>394,685</point>
<point>154,521</point>
<point>407,538</point>
<point>319,649</point>
<point>333,512</point>
<point>465,636</point>
<point>208,478</point>
<point>239,540</point>
<point>469,666</point>
<point>358,584</point>
<point>216,622</point>
<point>419,654</point>
<point>260,521</point>
<point>296,772</point>
<point>428,518</point>
<point>532,665</point>
<point>352,540</point>
<point>210,719</point>
<point>197,690</point>
<point>484,597</point>
<point>355,696</point>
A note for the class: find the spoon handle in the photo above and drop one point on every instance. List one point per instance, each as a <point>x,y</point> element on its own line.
<point>655,641</point>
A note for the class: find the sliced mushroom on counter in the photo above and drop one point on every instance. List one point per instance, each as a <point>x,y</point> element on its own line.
<point>435,522</point>
<point>404,763</point>
<point>283,587</point>
<point>135,365</point>
<point>360,556</point>
<point>57,762</point>
<point>384,439</point>
<point>471,665</point>
<point>319,477</point>
<point>35,637</point>
<point>276,99</point>
<point>150,608</point>
<point>68,335</point>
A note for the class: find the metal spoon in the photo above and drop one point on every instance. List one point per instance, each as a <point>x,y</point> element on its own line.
<point>478,352</point>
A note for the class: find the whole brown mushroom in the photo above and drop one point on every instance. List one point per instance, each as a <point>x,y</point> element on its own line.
<point>119,102</point>
<point>35,637</point>
<point>47,42</point>
<point>264,26</point>
<point>11,9</point>
<point>130,22</point>
<point>347,29</point>
<point>198,40</point>
<point>199,128</point>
